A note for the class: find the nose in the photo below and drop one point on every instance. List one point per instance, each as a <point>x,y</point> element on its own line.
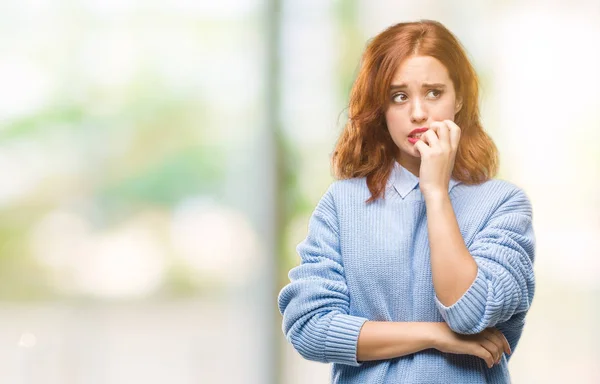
<point>418,114</point>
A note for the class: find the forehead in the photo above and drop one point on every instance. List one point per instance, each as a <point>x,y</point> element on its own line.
<point>421,69</point>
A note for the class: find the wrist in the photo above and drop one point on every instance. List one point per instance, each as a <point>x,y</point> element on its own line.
<point>435,195</point>
<point>429,334</point>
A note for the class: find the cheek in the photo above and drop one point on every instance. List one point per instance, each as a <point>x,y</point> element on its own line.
<point>444,112</point>
<point>394,119</point>
<point>396,125</point>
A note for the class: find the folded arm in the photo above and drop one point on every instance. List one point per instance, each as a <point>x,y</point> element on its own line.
<point>315,304</point>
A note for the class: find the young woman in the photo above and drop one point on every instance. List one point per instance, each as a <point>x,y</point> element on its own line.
<point>418,265</point>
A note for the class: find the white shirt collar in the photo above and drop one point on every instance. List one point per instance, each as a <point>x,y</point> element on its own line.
<point>404,181</point>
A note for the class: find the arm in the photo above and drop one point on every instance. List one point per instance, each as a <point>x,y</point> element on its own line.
<point>493,279</point>
<point>380,340</point>
<point>453,269</point>
<point>315,304</point>
<point>388,340</point>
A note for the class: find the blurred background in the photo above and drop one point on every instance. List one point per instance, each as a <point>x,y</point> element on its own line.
<point>159,162</point>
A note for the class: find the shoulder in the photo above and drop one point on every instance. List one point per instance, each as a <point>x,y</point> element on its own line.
<point>339,192</point>
<point>342,195</point>
<point>499,188</point>
<point>349,189</point>
<point>494,186</point>
<point>497,194</point>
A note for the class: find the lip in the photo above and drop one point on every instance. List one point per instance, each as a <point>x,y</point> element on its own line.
<point>418,130</point>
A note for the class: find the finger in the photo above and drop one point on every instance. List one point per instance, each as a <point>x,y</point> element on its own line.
<point>494,338</point>
<point>492,349</point>
<point>504,340</point>
<point>455,133</point>
<point>435,127</point>
<point>483,353</point>
<point>500,336</point>
<point>431,138</point>
<point>443,133</point>
<point>422,148</point>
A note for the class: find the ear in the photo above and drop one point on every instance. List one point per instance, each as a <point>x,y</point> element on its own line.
<point>458,105</point>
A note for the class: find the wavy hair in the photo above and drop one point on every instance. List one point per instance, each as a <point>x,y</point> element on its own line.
<point>365,147</point>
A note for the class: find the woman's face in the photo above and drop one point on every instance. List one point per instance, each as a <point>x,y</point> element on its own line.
<point>421,93</point>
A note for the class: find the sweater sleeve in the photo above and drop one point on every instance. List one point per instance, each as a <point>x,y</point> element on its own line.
<point>315,304</point>
<point>504,286</point>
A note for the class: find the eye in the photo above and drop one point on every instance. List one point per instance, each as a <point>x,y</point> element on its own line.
<point>399,97</point>
<point>437,93</point>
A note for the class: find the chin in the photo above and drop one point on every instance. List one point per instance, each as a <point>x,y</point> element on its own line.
<point>413,152</point>
<point>410,152</point>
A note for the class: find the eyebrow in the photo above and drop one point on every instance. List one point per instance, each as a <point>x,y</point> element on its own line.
<point>425,85</point>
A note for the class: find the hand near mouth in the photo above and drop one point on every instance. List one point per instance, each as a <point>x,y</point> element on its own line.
<point>437,148</point>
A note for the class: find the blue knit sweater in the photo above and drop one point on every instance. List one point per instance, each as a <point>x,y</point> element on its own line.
<point>364,262</point>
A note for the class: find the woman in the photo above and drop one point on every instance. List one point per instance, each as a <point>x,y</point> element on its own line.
<point>418,265</point>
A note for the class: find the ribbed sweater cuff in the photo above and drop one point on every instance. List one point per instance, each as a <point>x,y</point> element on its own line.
<point>467,314</point>
<point>342,339</point>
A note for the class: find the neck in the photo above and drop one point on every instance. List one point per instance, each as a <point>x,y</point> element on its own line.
<point>412,165</point>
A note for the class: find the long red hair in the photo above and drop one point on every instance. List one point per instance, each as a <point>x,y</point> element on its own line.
<point>365,147</point>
